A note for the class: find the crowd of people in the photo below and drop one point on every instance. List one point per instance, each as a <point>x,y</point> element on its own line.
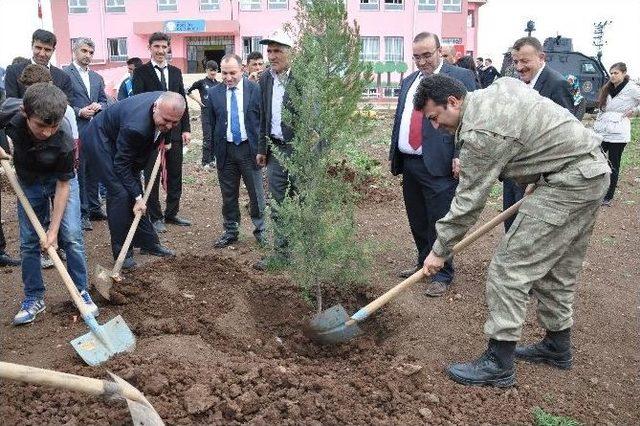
<point>448,148</point>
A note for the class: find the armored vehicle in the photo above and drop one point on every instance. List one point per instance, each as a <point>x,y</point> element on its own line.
<point>589,71</point>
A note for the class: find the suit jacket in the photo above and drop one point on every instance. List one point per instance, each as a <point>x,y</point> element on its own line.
<point>80,98</point>
<point>124,134</point>
<point>217,109</point>
<point>145,80</point>
<point>15,89</point>
<point>551,84</point>
<point>438,148</point>
<point>266,88</point>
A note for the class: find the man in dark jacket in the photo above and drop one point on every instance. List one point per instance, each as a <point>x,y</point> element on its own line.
<point>120,141</point>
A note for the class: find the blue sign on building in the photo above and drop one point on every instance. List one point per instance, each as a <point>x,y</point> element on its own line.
<point>185,26</point>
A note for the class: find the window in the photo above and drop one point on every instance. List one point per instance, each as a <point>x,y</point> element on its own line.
<point>167,5</point>
<point>391,92</point>
<point>209,5</point>
<point>250,44</point>
<point>394,4</point>
<point>427,5</point>
<point>369,5</point>
<point>393,49</point>
<point>249,4</point>
<point>452,6</point>
<point>370,49</point>
<point>73,42</point>
<point>115,6</point>
<point>278,4</point>
<point>588,68</point>
<point>78,6</point>
<point>117,49</point>
<point>471,19</point>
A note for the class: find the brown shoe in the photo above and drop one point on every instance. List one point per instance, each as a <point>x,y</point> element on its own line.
<point>408,272</point>
<point>437,288</point>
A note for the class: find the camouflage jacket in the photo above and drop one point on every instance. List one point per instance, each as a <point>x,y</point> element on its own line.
<point>509,130</point>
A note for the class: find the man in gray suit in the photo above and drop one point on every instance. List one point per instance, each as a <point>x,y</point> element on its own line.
<point>87,99</point>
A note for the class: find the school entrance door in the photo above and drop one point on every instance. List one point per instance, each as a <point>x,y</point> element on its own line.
<point>203,49</point>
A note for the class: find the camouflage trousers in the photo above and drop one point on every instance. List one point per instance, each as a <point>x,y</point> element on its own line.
<point>544,250</point>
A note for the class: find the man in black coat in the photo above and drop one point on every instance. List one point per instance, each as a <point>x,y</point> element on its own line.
<point>119,142</point>
<point>43,44</point>
<point>425,157</point>
<point>528,61</point>
<point>158,75</point>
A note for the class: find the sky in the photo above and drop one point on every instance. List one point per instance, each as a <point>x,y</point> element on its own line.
<point>501,22</point>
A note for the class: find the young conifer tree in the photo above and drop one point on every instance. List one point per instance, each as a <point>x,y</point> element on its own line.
<point>317,217</point>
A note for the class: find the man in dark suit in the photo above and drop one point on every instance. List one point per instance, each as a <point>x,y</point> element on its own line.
<point>425,157</point>
<point>158,75</point>
<point>203,86</point>
<point>275,100</point>
<point>43,44</point>
<point>87,100</point>
<point>119,142</point>
<point>528,61</point>
<point>235,108</point>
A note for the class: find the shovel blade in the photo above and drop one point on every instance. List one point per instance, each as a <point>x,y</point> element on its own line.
<point>104,341</point>
<point>142,412</point>
<point>103,282</point>
<point>330,327</point>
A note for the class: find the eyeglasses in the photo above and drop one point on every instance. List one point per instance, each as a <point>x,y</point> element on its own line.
<point>424,57</point>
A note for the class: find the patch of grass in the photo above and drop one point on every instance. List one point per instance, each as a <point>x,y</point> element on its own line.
<point>188,180</point>
<point>542,418</point>
<point>631,155</point>
<point>609,240</point>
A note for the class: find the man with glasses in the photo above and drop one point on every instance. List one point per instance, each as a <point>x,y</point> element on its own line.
<point>425,157</point>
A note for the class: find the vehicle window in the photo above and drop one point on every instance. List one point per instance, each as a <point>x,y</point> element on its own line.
<point>588,68</point>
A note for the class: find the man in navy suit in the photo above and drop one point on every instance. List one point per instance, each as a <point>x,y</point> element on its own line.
<point>528,61</point>
<point>118,144</point>
<point>425,157</point>
<point>235,108</point>
<point>87,100</point>
<point>43,44</point>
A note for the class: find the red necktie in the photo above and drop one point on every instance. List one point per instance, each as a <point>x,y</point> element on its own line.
<point>415,129</point>
<point>162,149</point>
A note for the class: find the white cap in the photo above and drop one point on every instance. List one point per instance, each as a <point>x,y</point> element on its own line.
<point>279,37</point>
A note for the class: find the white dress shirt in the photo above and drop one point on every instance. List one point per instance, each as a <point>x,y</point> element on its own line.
<point>240,99</point>
<point>405,122</point>
<point>534,80</point>
<point>165,71</point>
<point>276,104</point>
<point>84,75</point>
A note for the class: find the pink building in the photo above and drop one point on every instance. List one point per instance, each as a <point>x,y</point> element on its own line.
<point>207,29</point>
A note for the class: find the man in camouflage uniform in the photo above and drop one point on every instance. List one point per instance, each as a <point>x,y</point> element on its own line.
<point>511,131</point>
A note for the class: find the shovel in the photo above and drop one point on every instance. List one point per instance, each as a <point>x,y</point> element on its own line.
<point>102,341</point>
<point>334,324</point>
<point>142,412</point>
<point>105,278</point>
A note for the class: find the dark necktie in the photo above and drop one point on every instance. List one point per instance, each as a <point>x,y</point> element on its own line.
<point>163,81</point>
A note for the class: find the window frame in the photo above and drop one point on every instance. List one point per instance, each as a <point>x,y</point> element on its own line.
<point>369,5</point>
<point>165,7</point>
<point>120,8</point>
<point>251,3</point>
<point>363,54</point>
<point>429,6</point>
<point>398,57</point>
<point>394,4</point>
<point>255,46</point>
<point>281,4</point>
<point>76,8</point>
<point>121,57</point>
<point>215,5</point>
<point>448,6</point>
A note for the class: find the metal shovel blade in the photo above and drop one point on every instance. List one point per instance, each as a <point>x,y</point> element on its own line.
<point>104,341</point>
<point>142,413</point>
<point>332,326</point>
<point>103,281</point>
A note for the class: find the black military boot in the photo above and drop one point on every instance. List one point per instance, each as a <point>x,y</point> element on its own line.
<point>554,349</point>
<point>494,367</point>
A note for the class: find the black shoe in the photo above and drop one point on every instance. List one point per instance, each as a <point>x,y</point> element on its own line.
<point>408,272</point>
<point>554,349</point>
<point>97,215</point>
<point>225,240</point>
<point>493,368</point>
<point>177,221</point>
<point>158,225</point>
<point>6,260</point>
<point>129,264</point>
<point>158,250</point>
<point>86,224</point>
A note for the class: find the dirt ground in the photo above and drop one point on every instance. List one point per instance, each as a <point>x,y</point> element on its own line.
<point>220,343</point>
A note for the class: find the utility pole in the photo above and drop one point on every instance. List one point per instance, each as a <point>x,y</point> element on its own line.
<point>598,36</point>
<point>531,27</point>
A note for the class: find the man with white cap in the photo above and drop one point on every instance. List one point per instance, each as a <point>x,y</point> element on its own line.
<point>275,99</point>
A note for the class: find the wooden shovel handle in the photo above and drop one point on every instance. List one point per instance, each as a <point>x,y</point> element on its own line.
<point>88,385</point>
<point>136,220</point>
<point>62,270</point>
<point>393,292</point>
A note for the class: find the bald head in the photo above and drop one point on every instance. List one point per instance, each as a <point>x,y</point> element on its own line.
<point>168,110</point>
<point>448,54</point>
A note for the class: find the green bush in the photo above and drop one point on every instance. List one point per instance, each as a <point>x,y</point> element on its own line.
<point>542,418</point>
